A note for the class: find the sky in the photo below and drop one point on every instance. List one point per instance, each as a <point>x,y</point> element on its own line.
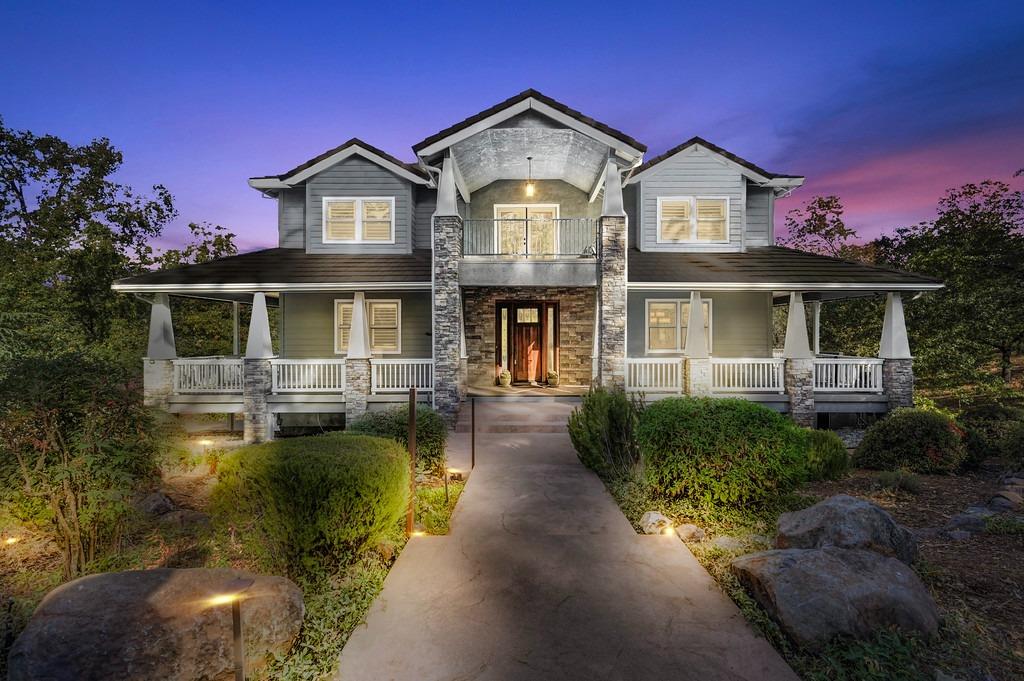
<point>886,104</point>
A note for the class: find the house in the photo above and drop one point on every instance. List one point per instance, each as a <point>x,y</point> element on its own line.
<point>534,239</point>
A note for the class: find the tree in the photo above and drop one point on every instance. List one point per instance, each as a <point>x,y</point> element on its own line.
<point>818,227</point>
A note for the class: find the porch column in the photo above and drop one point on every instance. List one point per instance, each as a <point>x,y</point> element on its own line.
<point>894,350</point>
<point>799,371</point>
<point>449,379</point>
<point>158,366</point>
<point>612,283</point>
<point>816,316</point>
<point>698,362</point>
<point>235,344</point>
<point>357,361</point>
<point>256,385</point>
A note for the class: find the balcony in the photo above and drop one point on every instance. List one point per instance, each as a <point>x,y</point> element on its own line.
<point>530,252</point>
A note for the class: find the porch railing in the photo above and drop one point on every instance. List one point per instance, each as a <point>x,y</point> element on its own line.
<point>654,375</point>
<point>208,375</point>
<point>747,374</point>
<point>848,375</point>
<point>308,375</point>
<point>531,238</point>
<point>398,375</point>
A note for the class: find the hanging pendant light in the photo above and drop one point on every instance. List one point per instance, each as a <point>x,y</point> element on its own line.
<point>529,176</point>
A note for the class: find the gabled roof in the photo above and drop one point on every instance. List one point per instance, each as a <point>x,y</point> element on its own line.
<point>354,146</point>
<point>755,172</point>
<point>525,100</point>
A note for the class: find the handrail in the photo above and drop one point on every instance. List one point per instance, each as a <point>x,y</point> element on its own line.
<point>308,375</point>
<point>654,375</point>
<point>398,375</point>
<point>207,375</point>
<point>747,374</point>
<point>848,374</point>
<point>574,237</point>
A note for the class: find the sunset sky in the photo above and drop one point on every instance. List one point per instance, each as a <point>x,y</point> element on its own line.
<point>886,104</point>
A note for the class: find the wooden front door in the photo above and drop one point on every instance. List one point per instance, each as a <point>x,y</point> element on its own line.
<point>526,345</point>
<point>526,340</point>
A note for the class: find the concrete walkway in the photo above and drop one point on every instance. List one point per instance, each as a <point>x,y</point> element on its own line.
<point>542,577</point>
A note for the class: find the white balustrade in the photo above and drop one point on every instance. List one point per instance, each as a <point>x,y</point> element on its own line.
<point>208,375</point>
<point>398,375</point>
<point>308,375</point>
<point>654,375</point>
<point>848,374</point>
<point>747,375</point>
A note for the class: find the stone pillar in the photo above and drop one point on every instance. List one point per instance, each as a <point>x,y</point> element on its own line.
<point>357,387</point>
<point>698,376</point>
<point>898,382</point>
<point>612,283</point>
<point>256,385</point>
<point>894,350</point>
<point>799,382</point>
<point>157,382</point>
<point>449,376</point>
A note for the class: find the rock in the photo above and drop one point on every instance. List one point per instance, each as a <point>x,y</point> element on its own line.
<point>688,532</point>
<point>818,594</point>
<point>1015,499</point>
<point>653,522</point>
<point>183,517</point>
<point>846,522</point>
<point>1001,504</point>
<point>155,504</point>
<point>153,624</point>
<point>727,543</point>
<point>1011,481</point>
<point>959,535</point>
<point>760,540</point>
<point>971,520</point>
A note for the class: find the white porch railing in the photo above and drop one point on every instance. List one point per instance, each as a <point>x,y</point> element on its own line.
<point>207,375</point>
<point>747,375</point>
<point>848,375</point>
<point>308,375</point>
<point>398,375</point>
<point>654,375</point>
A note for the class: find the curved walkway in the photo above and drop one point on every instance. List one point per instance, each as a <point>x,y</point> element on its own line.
<point>542,577</point>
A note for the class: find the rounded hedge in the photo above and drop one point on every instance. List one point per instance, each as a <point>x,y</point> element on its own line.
<point>826,455</point>
<point>431,433</point>
<point>987,426</point>
<point>720,450</point>
<point>914,440</point>
<point>315,498</point>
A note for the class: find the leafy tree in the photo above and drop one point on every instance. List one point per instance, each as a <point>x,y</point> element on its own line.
<point>818,227</point>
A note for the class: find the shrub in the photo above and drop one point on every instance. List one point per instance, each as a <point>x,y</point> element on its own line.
<point>915,440</point>
<point>314,499</point>
<point>602,431</point>
<point>431,433</point>
<point>727,450</point>
<point>1011,445</point>
<point>899,480</point>
<point>826,455</point>
<point>987,426</point>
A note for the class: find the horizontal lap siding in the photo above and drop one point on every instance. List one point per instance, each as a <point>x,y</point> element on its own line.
<point>356,177</point>
<point>758,216</point>
<point>423,212</point>
<point>291,218</point>
<point>309,323</point>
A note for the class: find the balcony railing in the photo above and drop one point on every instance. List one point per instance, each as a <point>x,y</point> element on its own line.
<point>398,375</point>
<point>308,375</point>
<point>848,375</point>
<point>206,375</point>
<point>533,238</point>
<point>654,375</point>
<point>747,375</point>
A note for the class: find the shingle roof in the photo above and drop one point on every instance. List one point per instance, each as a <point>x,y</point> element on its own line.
<point>354,142</point>
<point>292,266</point>
<point>527,94</point>
<point>715,148</point>
<point>764,265</point>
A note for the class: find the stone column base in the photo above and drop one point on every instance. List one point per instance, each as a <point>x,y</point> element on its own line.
<point>157,382</point>
<point>799,381</point>
<point>357,388</point>
<point>898,382</point>
<point>256,386</point>
<point>698,377</point>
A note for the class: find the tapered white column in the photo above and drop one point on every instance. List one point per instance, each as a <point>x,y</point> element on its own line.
<point>797,346</point>
<point>359,332</point>
<point>161,331</point>
<point>259,345</point>
<point>799,369</point>
<point>894,343</point>
<point>256,374</point>
<point>358,372</point>
<point>611,204</point>
<point>696,346</point>
<point>447,204</point>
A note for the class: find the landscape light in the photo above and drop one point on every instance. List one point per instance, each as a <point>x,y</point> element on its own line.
<point>206,443</point>
<point>668,531</point>
<point>233,595</point>
<point>11,540</point>
<point>418,533</point>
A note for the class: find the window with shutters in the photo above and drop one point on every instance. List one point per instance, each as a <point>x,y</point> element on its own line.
<point>690,219</point>
<point>352,220</point>
<point>666,324</point>
<point>384,319</point>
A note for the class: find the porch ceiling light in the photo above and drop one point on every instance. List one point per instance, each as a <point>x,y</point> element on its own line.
<point>529,176</point>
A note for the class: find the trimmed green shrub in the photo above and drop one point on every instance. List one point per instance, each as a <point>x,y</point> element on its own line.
<point>826,455</point>
<point>431,433</point>
<point>1011,445</point>
<point>915,440</point>
<point>986,426</point>
<point>602,431</point>
<point>314,499</point>
<point>720,450</point>
<point>899,480</point>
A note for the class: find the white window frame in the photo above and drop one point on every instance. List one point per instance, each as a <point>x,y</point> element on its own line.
<point>558,213</point>
<point>359,219</point>
<point>692,200</point>
<point>366,308</point>
<point>680,337</point>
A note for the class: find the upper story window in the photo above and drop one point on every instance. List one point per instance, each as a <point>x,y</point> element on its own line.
<point>384,318</point>
<point>693,219</point>
<point>667,321</point>
<point>350,220</point>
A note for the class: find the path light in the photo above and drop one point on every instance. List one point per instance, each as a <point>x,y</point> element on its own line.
<point>669,531</point>
<point>11,540</point>
<point>233,594</point>
<point>418,533</point>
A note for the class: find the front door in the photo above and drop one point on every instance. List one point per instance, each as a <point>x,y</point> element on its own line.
<point>526,345</point>
<point>526,340</point>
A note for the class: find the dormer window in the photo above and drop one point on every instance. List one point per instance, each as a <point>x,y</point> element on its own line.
<point>351,220</point>
<point>693,219</point>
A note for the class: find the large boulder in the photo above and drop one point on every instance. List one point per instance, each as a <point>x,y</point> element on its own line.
<point>153,624</point>
<point>846,522</point>
<point>818,594</point>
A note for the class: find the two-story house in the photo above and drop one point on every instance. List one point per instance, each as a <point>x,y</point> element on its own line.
<point>534,240</point>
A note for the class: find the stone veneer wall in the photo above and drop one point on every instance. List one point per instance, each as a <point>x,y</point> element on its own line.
<point>256,384</point>
<point>449,378</point>
<point>898,382</point>
<point>576,330</point>
<point>157,382</point>
<point>612,288</point>
<point>357,387</point>
<point>799,381</point>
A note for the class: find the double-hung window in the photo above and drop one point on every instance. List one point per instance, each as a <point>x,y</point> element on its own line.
<point>354,220</point>
<point>693,219</point>
<point>384,317</point>
<point>666,324</point>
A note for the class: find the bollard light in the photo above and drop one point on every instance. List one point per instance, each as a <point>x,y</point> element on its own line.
<point>233,595</point>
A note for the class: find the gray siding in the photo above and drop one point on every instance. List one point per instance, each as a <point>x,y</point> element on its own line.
<point>426,203</point>
<point>291,218</point>
<point>691,174</point>
<point>309,323</point>
<point>631,204</point>
<point>759,230</point>
<point>741,323</point>
<point>357,176</point>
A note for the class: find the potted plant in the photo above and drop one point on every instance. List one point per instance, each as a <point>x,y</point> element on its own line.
<point>553,378</point>
<point>505,378</point>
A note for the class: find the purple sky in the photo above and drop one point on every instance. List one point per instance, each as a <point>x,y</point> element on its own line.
<point>886,104</point>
